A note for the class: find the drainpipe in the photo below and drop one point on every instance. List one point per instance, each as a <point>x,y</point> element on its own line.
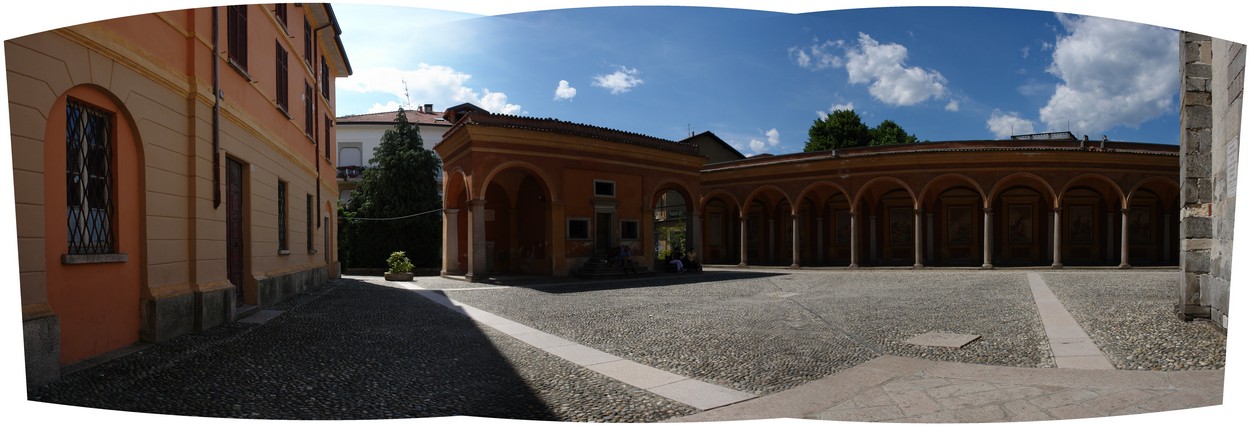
<point>317,146</point>
<point>216,113</point>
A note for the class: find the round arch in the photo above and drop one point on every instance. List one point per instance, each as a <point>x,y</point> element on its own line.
<point>1021,179</point>
<point>876,184</point>
<point>549,192</point>
<point>817,186</point>
<point>941,183</point>
<point>1085,178</point>
<point>97,304</point>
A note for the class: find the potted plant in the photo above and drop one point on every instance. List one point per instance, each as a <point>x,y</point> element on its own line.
<point>399,268</point>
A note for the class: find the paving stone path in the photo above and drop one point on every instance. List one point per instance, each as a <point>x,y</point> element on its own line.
<point>724,345</point>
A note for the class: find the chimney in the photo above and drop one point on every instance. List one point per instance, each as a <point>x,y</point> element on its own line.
<point>429,108</point>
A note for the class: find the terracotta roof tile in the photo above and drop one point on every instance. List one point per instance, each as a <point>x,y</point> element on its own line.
<point>414,116</point>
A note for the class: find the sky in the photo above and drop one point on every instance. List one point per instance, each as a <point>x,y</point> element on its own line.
<point>759,79</point>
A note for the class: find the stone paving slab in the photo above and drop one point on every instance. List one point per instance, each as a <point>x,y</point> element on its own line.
<point>940,339</point>
<point>695,393</point>
<point>896,389</point>
<point>1069,343</point>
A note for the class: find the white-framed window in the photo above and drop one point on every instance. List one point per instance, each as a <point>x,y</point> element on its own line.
<point>605,188</point>
<point>578,228</point>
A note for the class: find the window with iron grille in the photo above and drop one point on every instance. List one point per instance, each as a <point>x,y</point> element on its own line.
<point>283,86</point>
<point>308,43</point>
<point>308,110</point>
<point>282,242</point>
<point>308,223</point>
<point>88,178</point>
<point>279,10</point>
<point>236,33</point>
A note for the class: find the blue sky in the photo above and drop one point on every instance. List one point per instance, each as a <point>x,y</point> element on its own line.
<point>759,79</point>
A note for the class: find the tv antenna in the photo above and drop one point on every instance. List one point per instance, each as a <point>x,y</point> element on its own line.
<point>407,99</point>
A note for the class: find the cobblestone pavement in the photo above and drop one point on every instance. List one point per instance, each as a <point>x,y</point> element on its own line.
<point>359,349</point>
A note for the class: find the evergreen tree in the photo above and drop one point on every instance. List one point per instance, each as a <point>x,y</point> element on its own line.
<point>841,129</point>
<point>400,182</point>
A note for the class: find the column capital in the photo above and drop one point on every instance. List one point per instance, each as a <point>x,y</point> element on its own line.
<point>918,212</point>
<point>988,210</point>
<point>451,211</point>
<point>476,203</point>
<point>1057,209</point>
<point>1124,210</point>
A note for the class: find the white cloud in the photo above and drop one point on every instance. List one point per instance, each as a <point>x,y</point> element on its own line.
<point>1114,73</point>
<point>774,137</point>
<point>835,107</point>
<point>758,146</point>
<point>564,91</point>
<point>1004,125</point>
<point>952,106</point>
<point>391,106</point>
<point>881,65</point>
<point>621,81</point>
<point>1024,52</point>
<point>818,56</point>
<point>433,84</point>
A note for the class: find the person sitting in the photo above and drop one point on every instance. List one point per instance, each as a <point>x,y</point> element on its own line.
<point>692,262</point>
<point>675,259</point>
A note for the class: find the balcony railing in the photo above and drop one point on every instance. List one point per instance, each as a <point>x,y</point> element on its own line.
<point>350,172</point>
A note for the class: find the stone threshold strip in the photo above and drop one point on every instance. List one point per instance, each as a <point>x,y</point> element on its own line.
<point>1069,344</point>
<point>692,392</point>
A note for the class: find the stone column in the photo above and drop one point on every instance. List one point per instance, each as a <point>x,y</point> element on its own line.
<point>451,242</point>
<point>854,241</point>
<point>1124,239</point>
<point>477,240</point>
<point>985,239</point>
<point>742,242</point>
<point>794,241</point>
<point>918,224</point>
<point>1056,241</point>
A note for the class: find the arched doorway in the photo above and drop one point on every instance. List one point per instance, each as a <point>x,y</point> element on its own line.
<point>671,227</point>
<point>516,225</point>
<point>720,232</point>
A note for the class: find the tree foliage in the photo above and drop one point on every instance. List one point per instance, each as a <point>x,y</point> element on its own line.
<point>844,129</point>
<point>401,181</point>
<point>890,133</point>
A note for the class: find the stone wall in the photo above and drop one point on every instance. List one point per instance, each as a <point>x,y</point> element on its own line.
<point>1211,82</point>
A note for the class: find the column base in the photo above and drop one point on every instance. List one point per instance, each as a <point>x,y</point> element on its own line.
<point>852,266</point>
<point>1056,265</point>
<point>742,265</point>
<point>987,266</point>
<point>794,266</point>
<point>1125,266</point>
<point>918,266</point>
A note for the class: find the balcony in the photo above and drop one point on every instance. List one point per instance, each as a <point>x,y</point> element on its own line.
<point>350,173</point>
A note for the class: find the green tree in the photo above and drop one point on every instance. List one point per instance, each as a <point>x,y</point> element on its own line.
<point>841,129</point>
<point>890,133</point>
<point>400,182</point>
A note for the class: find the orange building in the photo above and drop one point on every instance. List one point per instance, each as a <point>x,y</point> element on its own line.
<point>542,196</point>
<point>170,171</point>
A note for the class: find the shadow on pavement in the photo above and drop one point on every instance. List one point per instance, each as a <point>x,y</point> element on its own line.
<point>659,280</point>
<point>346,350</point>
